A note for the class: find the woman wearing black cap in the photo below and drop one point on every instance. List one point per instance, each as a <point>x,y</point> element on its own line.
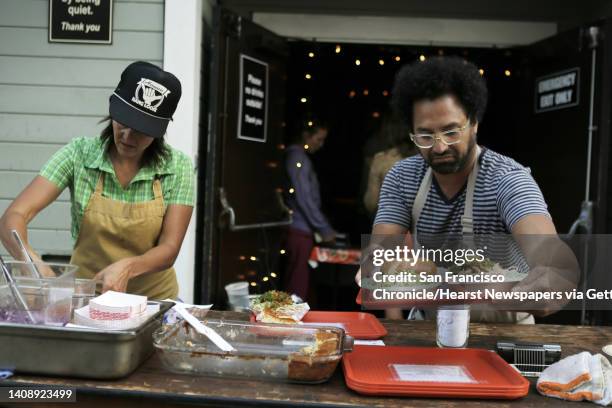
<point>131,193</point>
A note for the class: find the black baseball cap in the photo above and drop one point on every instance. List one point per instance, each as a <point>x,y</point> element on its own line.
<point>145,98</point>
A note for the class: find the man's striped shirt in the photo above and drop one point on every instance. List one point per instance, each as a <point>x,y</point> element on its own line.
<point>504,193</point>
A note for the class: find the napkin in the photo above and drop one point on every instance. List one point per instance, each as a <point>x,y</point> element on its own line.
<point>578,377</point>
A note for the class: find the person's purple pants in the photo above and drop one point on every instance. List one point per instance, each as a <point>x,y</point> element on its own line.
<point>297,273</point>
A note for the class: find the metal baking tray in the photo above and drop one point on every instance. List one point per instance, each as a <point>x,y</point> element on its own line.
<point>76,352</point>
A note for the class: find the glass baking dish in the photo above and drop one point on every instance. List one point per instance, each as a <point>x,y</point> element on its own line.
<point>278,352</point>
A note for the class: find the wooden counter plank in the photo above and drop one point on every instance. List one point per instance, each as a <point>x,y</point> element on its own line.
<point>153,384</point>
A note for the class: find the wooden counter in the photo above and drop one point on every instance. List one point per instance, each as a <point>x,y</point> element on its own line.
<point>152,387</point>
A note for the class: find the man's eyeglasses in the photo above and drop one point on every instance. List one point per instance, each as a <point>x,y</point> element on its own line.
<point>448,137</point>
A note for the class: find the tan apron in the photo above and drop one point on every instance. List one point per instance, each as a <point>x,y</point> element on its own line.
<point>467,223</point>
<point>112,230</point>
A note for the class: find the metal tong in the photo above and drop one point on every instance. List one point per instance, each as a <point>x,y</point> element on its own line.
<point>16,294</point>
<point>26,256</point>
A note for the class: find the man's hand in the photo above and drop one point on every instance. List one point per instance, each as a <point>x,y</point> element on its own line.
<point>546,279</point>
<point>115,276</point>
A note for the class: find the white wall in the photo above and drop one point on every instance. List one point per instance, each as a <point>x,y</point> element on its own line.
<point>182,56</point>
<point>405,30</point>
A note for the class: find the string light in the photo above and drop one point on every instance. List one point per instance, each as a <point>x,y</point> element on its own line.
<point>507,73</point>
<point>306,147</point>
<point>338,49</point>
<point>357,62</point>
<point>242,257</point>
<point>421,57</point>
<point>253,283</point>
<point>352,94</point>
<point>308,76</point>
<point>381,62</point>
<point>310,123</point>
<point>265,279</point>
<point>303,100</point>
<point>283,252</point>
<point>281,147</point>
<point>291,190</point>
<point>376,115</point>
<point>253,258</point>
<point>397,58</point>
<point>311,54</point>
<point>298,164</point>
<point>366,92</point>
<point>272,274</point>
<point>272,164</point>
<point>385,93</point>
<point>481,71</point>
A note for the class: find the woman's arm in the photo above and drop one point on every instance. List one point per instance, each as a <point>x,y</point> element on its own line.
<point>32,200</point>
<point>162,256</point>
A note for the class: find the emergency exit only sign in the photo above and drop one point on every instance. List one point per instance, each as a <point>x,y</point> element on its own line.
<point>558,90</point>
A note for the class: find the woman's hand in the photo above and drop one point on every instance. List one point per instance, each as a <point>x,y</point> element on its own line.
<point>116,276</point>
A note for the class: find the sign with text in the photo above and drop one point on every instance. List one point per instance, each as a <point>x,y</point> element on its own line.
<point>81,21</point>
<point>253,103</point>
<point>557,91</point>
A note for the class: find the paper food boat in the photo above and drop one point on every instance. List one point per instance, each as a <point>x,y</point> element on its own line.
<point>117,306</point>
<point>81,318</point>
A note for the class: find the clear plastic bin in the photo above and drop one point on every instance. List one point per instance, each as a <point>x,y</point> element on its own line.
<point>293,353</point>
<point>48,299</point>
<point>84,291</point>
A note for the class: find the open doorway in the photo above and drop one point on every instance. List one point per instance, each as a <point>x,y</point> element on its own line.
<point>349,87</point>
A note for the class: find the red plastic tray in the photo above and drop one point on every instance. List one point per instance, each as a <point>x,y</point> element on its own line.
<point>360,325</point>
<point>473,373</point>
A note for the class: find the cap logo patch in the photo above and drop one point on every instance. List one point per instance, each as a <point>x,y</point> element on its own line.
<point>149,94</point>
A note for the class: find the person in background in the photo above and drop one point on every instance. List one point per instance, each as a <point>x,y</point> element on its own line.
<point>131,193</point>
<point>304,199</point>
<point>397,146</point>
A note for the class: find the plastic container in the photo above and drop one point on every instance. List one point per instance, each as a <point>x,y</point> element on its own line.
<point>432,372</point>
<point>48,300</point>
<point>84,291</point>
<point>263,351</point>
<point>238,295</point>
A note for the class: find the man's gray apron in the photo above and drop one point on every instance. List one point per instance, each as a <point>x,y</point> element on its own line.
<point>467,223</point>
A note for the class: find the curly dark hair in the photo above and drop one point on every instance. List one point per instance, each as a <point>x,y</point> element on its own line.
<point>436,77</point>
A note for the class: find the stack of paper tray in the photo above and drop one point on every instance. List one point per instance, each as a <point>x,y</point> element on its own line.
<point>77,352</point>
<point>432,372</point>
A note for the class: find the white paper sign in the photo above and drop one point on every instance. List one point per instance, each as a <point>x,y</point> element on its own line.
<point>432,373</point>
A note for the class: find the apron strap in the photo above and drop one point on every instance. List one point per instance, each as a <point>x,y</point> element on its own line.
<point>467,220</point>
<point>157,189</point>
<point>100,184</point>
<point>419,201</point>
